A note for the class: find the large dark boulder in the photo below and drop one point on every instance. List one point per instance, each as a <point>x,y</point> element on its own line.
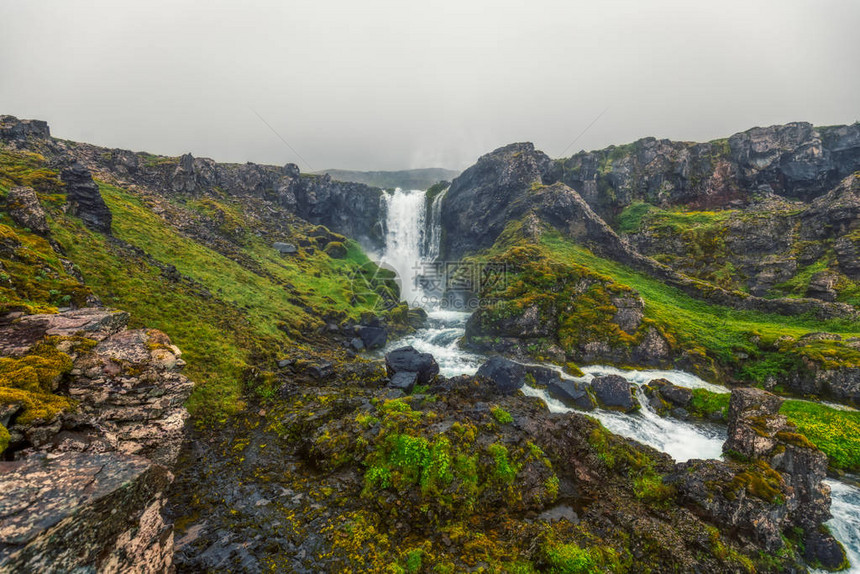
<point>506,375</point>
<point>373,337</point>
<point>410,360</point>
<point>85,199</point>
<point>614,392</point>
<point>573,394</point>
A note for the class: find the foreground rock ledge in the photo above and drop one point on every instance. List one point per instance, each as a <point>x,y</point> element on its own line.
<point>101,510</point>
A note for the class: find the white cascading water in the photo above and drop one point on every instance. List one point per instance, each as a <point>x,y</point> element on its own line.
<point>413,240</point>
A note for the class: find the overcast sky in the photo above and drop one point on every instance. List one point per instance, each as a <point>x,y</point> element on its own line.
<point>374,84</point>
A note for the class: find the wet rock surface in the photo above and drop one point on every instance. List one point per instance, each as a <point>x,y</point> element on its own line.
<point>407,359</point>
<point>615,392</point>
<point>84,512</point>
<point>778,489</point>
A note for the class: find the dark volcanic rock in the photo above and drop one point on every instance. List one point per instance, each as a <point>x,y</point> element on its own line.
<point>404,381</point>
<point>475,209</point>
<point>664,396</point>
<point>11,128</point>
<point>506,375</point>
<point>84,512</point>
<point>573,394</point>
<point>25,209</point>
<point>321,370</point>
<point>821,548</point>
<point>373,337</point>
<point>614,392</point>
<point>409,360</point>
<point>85,199</point>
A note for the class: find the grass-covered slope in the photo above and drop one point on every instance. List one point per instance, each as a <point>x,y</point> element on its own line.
<point>232,311</point>
<point>573,290</point>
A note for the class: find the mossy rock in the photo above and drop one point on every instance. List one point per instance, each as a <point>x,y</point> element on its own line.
<point>336,250</point>
<point>4,438</point>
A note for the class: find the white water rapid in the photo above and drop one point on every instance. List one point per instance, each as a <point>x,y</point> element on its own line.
<point>412,243</point>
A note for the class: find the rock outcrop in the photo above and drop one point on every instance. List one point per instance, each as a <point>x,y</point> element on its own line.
<point>479,202</point>
<point>84,487</point>
<point>777,491</point>
<point>794,160</point>
<point>13,129</point>
<point>25,210</point>
<point>85,199</point>
<point>84,512</point>
<point>408,360</point>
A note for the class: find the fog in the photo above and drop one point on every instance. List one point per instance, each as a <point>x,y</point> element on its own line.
<point>398,84</point>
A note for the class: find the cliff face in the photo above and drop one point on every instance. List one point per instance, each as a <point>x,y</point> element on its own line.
<point>352,209</point>
<point>796,161</point>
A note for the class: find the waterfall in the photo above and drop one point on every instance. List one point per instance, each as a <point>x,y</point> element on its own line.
<point>433,228</point>
<point>412,234</point>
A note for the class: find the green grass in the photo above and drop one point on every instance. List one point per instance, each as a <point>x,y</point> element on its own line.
<point>720,332</point>
<point>229,318</point>
<point>630,219</point>
<point>705,402</point>
<point>835,432</point>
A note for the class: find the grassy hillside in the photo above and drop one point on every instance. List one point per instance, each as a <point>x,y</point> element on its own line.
<point>722,342</point>
<point>231,316</point>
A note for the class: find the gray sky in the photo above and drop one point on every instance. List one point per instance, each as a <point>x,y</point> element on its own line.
<point>375,84</point>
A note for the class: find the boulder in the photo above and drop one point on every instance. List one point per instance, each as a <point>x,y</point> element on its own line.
<point>85,199</point>
<point>284,248</point>
<point>506,375</point>
<point>373,337</point>
<point>410,360</point>
<point>25,210</point>
<point>665,396</point>
<point>820,547</point>
<point>84,512</point>
<point>757,431</point>
<point>321,370</point>
<point>404,381</point>
<point>573,394</point>
<point>614,392</point>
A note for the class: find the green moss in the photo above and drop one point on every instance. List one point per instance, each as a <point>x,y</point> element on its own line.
<point>4,438</point>
<point>835,432</point>
<point>630,219</point>
<point>501,415</point>
<point>30,380</point>
<point>760,481</point>
<point>571,558</point>
<point>505,470</point>
<point>705,402</point>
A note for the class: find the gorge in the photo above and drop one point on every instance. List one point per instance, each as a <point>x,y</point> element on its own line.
<point>578,326</point>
